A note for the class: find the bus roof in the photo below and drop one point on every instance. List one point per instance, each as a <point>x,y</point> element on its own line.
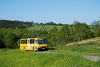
<point>32,38</point>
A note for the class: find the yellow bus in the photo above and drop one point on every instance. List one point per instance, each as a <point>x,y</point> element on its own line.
<point>33,44</point>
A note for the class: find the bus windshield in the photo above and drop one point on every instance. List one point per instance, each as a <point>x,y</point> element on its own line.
<point>42,41</point>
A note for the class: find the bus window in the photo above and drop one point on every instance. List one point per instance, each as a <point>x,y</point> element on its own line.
<point>40,41</point>
<point>23,41</point>
<point>31,41</point>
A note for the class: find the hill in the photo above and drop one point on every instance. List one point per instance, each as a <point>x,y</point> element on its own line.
<point>44,27</point>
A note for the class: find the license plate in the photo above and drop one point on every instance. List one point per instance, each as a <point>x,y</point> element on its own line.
<point>43,48</point>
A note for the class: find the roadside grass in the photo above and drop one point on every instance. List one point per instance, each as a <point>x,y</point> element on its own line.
<point>42,27</point>
<point>91,48</point>
<point>17,58</point>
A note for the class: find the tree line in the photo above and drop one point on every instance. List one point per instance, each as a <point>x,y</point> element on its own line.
<point>22,24</point>
<point>48,23</point>
<point>14,24</point>
<point>10,37</point>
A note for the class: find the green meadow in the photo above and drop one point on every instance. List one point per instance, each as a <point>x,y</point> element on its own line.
<point>61,56</point>
<point>44,27</point>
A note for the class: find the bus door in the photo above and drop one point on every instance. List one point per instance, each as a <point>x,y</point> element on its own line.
<point>36,45</point>
<point>29,45</point>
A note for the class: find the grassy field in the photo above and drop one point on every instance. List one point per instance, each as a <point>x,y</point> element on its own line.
<point>61,56</point>
<point>42,27</point>
<point>17,58</point>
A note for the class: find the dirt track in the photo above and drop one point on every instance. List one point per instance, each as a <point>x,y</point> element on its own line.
<point>84,41</point>
<point>92,58</point>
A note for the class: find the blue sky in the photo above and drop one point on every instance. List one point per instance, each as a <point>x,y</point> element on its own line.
<point>58,11</point>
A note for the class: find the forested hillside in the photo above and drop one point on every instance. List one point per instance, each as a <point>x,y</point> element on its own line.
<point>14,24</point>
<point>12,31</point>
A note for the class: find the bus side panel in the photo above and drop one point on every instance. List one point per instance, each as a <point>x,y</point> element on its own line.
<point>23,47</point>
<point>26,47</point>
<point>31,48</point>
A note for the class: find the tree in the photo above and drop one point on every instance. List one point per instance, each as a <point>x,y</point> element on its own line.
<point>82,29</point>
<point>2,45</point>
<point>10,40</point>
<point>52,36</point>
<point>66,34</point>
<point>72,33</point>
<point>86,31</point>
<point>96,28</point>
